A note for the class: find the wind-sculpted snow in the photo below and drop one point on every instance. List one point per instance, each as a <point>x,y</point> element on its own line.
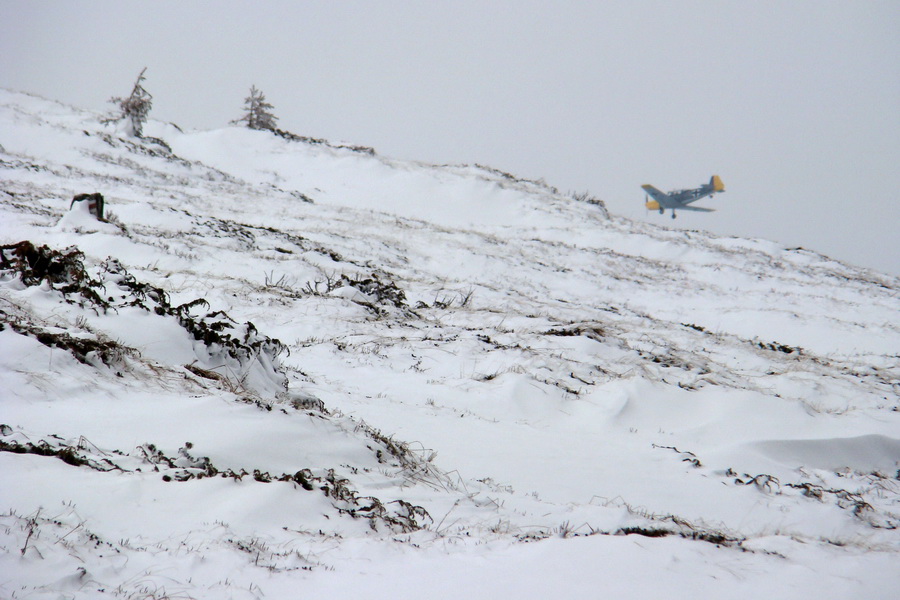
<point>282,365</point>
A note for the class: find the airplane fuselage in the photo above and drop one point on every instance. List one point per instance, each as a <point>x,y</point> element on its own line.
<point>680,199</point>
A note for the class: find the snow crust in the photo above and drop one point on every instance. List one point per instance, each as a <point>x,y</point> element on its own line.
<point>439,381</point>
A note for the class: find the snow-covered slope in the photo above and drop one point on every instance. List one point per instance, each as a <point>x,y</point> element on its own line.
<point>284,365</point>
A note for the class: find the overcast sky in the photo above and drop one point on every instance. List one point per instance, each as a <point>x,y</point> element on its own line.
<point>796,105</point>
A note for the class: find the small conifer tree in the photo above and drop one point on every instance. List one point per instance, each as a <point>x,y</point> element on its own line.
<point>135,108</point>
<point>258,113</point>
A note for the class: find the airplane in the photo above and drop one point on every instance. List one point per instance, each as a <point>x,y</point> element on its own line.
<point>681,198</point>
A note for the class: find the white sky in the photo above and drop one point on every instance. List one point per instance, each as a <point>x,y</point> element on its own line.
<point>795,104</point>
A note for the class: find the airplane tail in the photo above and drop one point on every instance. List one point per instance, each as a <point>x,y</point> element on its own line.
<point>716,183</point>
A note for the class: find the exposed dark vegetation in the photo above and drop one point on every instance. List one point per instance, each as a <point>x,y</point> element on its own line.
<point>845,499</point>
<point>713,537</point>
<point>675,526</point>
<point>688,457</point>
<point>590,199</point>
<point>683,529</point>
<point>110,352</point>
<point>115,287</point>
<point>405,518</point>
<point>71,455</point>
<point>590,331</point>
<point>293,137</point>
<point>244,232</point>
<point>776,347</point>
<point>62,270</point>
<point>384,292</point>
<point>185,466</point>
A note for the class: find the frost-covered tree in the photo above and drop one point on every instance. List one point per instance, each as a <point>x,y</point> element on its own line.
<point>134,109</point>
<point>257,113</point>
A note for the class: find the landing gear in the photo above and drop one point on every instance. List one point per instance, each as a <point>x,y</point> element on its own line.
<point>662,210</point>
<point>673,214</point>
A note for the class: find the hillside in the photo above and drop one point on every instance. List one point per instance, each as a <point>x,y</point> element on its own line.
<point>286,364</point>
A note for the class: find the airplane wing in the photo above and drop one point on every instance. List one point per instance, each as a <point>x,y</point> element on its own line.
<point>654,193</point>
<point>696,208</point>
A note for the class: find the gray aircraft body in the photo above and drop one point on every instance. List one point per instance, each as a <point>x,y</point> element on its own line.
<point>680,199</point>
